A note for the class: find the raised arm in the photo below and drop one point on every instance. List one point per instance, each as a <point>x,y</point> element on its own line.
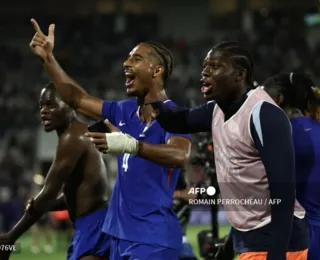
<point>57,204</point>
<point>271,132</point>
<point>64,163</point>
<point>71,92</point>
<point>184,120</point>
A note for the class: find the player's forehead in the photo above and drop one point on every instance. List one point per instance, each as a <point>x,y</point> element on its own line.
<point>141,50</point>
<point>217,56</point>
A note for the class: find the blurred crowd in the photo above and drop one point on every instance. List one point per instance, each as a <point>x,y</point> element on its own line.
<point>92,51</point>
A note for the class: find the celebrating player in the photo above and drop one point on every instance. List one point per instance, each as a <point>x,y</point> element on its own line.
<point>140,217</point>
<point>254,155</point>
<point>80,170</point>
<point>293,93</point>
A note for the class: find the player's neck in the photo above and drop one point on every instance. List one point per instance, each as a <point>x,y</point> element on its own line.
<point>243,89</point>
<point>66,126</point>
<point>234,97</point>
<point>146,111</point>
<point>152,96</point>
<point>292,112</point>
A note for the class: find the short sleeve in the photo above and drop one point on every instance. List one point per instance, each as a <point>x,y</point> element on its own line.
<point>110,110</point>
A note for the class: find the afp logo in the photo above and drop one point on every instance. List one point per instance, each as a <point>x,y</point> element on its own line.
<point>210,191</point>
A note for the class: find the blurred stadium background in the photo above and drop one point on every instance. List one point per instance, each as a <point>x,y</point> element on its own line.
<point>93,37</point>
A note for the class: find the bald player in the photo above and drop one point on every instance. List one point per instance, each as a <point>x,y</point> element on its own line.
<point>254,155</point>
<point>78,168</point>
<point>140,217</point>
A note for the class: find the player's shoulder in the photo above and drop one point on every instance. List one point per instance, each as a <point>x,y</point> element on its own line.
<point>305,123</point>
<point>267,113</point>
<point>74,136</point>
<point>302,120</point>
<point>127,106</point>
<point>264,107</point>
<point>130,102</point>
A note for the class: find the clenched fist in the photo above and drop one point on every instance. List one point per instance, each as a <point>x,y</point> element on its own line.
<point>42,44</point>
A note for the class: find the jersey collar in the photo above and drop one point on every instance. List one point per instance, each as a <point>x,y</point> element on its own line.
<point>138,110</point>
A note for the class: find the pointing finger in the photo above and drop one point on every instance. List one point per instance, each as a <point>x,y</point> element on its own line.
<point>111,126</point>
<point>36,26</point>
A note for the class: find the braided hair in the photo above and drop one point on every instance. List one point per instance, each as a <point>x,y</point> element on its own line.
<point>165,58</point>
<point>297,89</point>
<point>240,55</point>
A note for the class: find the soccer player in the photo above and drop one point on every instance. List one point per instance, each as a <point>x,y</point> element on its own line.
<point>293,93</point>
<point>254,155</point>
<point>140,216</point>
<point>79,169</point>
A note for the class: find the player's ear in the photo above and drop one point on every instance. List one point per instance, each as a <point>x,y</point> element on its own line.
<point>158,71</point>
<point>280,100</point>
<point>241,75</point>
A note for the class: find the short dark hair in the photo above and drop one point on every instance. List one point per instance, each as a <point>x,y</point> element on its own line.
<point>165,57</point>
<point>296,88</point>
<point>50,87</point>
<point>240,55</point>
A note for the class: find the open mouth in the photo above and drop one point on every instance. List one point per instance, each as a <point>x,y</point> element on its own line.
<point>130,77</point>
<point>46,122</point>
<point>206,88</point>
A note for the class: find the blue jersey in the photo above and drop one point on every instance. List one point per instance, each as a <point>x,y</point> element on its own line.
<point>140,208</point>
<point>306,139</point>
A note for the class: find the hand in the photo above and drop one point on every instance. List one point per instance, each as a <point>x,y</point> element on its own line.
<point>100,139</point>
<point>224,250</point>
<point>153,109</point>
<point>5,239</point>
<point>148,113</point>
<point>155,113</point>
<point>41,44</point>
<point>115,142</point>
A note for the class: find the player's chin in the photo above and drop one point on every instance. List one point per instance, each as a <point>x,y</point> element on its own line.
<point>210,95</point>
<point>48,128</point>
<point>132,92</point>
<point>214,94</point>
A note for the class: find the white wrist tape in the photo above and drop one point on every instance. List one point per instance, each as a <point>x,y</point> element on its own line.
<point>121,143</point>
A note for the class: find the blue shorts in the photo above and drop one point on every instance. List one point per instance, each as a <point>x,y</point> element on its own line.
<point>314,242</point>
<point>127,250</point>
<point>88,239</point>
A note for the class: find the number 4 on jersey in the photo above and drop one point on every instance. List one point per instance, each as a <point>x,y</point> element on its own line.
<point>125,160</point>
